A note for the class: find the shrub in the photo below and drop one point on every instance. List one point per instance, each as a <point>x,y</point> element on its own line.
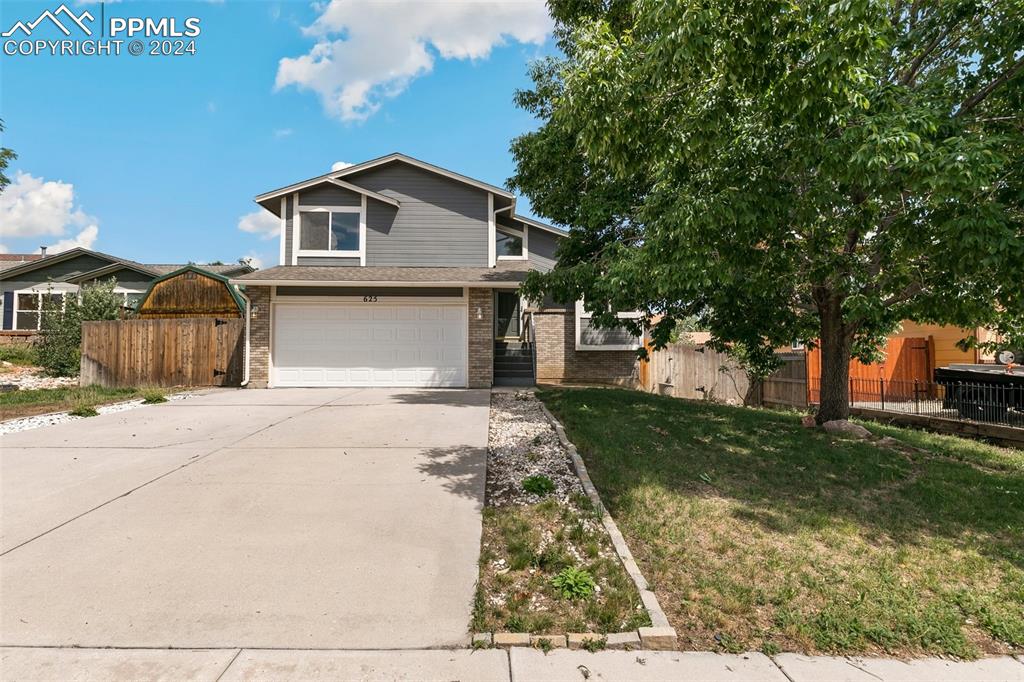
<point>60,347</point>
<point>574,583</point>
<point>539,485</point>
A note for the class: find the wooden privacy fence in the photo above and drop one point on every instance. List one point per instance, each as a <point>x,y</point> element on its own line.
<point>688,371</point>
<point>700,373</point>
<point>162,352</point>
<point>906,360</point>
<point>787,387</point>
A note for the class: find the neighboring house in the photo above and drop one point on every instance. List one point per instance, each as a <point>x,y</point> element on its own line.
<point>26,284</point>
<point>396,272</point>
<point>191,291</point>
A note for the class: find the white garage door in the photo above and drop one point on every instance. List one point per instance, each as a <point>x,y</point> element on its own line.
<point>369,344</point>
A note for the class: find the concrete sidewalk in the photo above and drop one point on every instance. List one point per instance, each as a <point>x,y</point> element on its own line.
<point>518,665</point>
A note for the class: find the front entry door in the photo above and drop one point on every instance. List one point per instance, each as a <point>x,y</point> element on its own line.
<point>506,314</point>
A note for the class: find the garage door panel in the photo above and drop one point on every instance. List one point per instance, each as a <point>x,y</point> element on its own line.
<point>359,345</point>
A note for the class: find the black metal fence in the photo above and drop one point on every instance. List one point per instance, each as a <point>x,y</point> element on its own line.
<point>988,403</point>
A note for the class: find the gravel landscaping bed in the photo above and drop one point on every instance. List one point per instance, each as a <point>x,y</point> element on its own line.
<point>28,378</point>
<point>531,538</point>
<point>53,418</point>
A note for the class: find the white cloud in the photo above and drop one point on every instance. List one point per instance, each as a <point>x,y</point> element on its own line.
<point>340,165</point>
<point>262,223</point>
<point>86,238</point>
<point>283,132</point>
<point>368,51</point>
<point>34,207</point>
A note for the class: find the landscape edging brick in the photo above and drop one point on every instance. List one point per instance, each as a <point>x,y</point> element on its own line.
<point>647,596</point>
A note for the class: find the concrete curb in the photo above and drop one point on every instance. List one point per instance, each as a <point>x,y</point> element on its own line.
<point>661,626</point>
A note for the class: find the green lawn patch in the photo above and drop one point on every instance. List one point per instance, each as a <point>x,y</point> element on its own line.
<point>23,356</point>
<point>14,404</point>
<point>757,533</point>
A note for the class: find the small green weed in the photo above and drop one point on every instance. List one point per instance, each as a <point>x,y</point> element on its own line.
<point>574,583</point>
<point>83,411</point>
<point>152,396</point>
<point>539,485</point>
<point>595,644</point>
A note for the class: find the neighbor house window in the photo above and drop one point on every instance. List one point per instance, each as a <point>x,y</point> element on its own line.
<point>29,306</point>
<point>589,337</point>
<point>330,232</point>
<point>509,243</point>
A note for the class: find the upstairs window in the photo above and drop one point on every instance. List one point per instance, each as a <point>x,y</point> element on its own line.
<point>330,231</point>
<point>508,243</point>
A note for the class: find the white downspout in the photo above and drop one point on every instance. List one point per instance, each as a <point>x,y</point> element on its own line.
<point>248,316</point>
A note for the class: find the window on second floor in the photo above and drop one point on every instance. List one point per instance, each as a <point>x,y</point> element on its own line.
<point>508,243</point>
<point>330,232</point>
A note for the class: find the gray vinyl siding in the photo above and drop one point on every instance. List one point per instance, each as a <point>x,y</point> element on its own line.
<point>289,211</point>
<point>58,271</point>
<point>441,222</point>
<point>542,245</point>
<point>328,261</point>
<point>329,195</point>
<point>591,336</point>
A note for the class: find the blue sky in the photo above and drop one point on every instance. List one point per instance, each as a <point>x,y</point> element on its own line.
<point>157,158</point>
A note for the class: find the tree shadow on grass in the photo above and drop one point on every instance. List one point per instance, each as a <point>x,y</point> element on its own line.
<point>789,479</point>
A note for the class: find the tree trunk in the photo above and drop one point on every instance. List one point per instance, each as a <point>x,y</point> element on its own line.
<point>835,362</point>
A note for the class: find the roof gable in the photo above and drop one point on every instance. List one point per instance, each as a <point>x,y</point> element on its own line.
<point>338,178</point>
<point>76,261</point>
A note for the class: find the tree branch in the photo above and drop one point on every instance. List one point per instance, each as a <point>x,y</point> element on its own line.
<point>978,97</point>
<point>915,66</point>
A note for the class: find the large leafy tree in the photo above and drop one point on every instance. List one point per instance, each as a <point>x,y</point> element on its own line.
<point>6,156</point>
<point>784,170</point>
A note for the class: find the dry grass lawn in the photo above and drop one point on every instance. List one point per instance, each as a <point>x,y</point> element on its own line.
<point>759,534</point>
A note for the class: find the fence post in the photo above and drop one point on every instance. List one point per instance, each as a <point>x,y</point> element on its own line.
<point>917,404</point>
<point>881,386</point>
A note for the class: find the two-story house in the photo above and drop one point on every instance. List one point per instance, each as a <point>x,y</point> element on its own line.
<point>396,272</point>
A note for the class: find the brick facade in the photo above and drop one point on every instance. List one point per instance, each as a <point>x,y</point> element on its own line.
<point>558,360</point>
<point>259,337</point>
<point>481,338</point>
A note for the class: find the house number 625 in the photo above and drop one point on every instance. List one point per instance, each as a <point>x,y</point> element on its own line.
<point>369,299</point>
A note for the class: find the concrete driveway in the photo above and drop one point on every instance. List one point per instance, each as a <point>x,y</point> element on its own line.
<point>307,518</point>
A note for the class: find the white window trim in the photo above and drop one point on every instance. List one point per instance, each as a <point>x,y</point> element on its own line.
<point>524,233</point>
<point>40,290</point>
<point>296,225</point>
<point>359,253</point>
<point>284,227</point>
<point>582,314</point>
<point>65,288</point>
<point>491,232</point>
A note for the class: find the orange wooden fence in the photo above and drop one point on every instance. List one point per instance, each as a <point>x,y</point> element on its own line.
<point>906,360</point>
